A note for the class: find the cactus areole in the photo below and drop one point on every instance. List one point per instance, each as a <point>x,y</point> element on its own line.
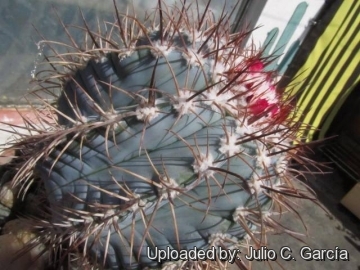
<point>168,135</point>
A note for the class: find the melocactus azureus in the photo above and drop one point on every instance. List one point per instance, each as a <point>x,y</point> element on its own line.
<point>167,133</point>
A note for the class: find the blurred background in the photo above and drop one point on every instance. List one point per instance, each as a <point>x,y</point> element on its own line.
<point>23,23</point>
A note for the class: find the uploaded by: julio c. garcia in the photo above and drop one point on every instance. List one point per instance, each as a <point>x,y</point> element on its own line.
<point>263,253</point>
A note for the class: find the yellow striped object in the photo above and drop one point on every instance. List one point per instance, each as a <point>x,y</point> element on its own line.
<point>330,72</point>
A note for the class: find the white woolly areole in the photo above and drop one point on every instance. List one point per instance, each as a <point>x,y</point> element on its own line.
<point>242,128</point>
<point>262,159</point>
<point>197,36</point>
<point>103,59</point>
<point>266,214</point>
<point>247,237</point>
<point>202,164</point>
<point>279,139</point>
<point>126,53</point>
<point>255,184</point>
<point>88,219</point>
<point>228,145</point>
<point>219,239</point>
<point>275,138</point>
<point>239,89</point>
<point>211,96</point>
<point>218,70</point>
<point>238,62</point>
<point>168,189</point>
<point>81,119</point>
<point>146,113</point>
<point>218,102</point>
<point>281,164</point>
<point>172,265</point>
<point>111,214</point>
<point>193,58</point>
<point>139,204</point>
<point>239,212</point>
<point>266,90</point>
<point>160,50</point>
<point>181,105</point>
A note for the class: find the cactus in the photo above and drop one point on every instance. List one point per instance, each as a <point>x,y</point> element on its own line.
<point>166,134</point>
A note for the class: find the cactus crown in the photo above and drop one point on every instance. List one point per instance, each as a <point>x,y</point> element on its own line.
<point>166,133</point>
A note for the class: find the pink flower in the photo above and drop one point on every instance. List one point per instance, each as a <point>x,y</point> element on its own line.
<point>257,66</point>
<point>258,106</point>
<point>261,105</point>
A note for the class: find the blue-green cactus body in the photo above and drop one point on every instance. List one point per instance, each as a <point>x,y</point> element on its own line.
<point>159,149</point>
